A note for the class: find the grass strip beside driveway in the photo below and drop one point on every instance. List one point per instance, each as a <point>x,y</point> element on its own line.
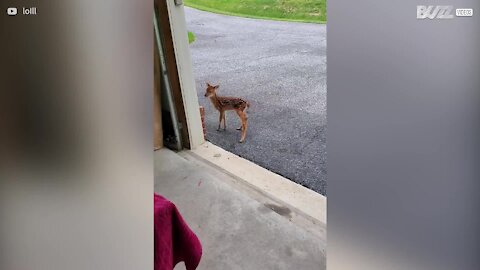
<point>313,11</point>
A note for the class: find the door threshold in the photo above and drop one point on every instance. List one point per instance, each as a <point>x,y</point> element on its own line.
<point>303,201</point>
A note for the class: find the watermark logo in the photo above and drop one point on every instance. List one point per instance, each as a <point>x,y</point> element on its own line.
<point>442,12</point>
<point>12,11</point>
<point>464,12</point>
<point>435,12</point>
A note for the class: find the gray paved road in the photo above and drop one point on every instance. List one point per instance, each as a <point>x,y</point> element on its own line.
<point>280,67</point>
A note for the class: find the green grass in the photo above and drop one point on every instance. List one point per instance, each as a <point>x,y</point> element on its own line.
<point>191,37</point>
<point>286,10</point>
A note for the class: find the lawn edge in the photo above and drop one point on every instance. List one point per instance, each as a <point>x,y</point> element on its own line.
<point>213,10</point>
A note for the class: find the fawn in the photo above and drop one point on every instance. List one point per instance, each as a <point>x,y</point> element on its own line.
<point>223,104</point>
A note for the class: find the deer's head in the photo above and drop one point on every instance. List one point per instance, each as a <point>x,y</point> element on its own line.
<point>210,92</point>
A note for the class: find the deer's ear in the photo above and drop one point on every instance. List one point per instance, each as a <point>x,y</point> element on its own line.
<point>216,86</point>
<point>207,83</point>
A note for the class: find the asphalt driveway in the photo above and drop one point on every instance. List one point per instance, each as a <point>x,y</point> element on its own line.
<point>280,68</point>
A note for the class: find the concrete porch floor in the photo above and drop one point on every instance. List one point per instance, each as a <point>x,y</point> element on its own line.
<point>237,227</point>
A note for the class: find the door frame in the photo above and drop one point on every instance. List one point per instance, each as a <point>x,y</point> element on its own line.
<point>172,24</point>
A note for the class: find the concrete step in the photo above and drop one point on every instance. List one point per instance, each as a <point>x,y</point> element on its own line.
<point>238,228</point>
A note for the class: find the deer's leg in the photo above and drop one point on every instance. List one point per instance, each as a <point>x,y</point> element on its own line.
<point>239,112</point>
<point>241,122</point>
<point>224,122</point>
<point>243,117</point>
<point>220,120</point>
<point>245,126</point>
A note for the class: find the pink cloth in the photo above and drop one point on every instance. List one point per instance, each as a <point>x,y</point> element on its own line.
<point>174,240</point>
